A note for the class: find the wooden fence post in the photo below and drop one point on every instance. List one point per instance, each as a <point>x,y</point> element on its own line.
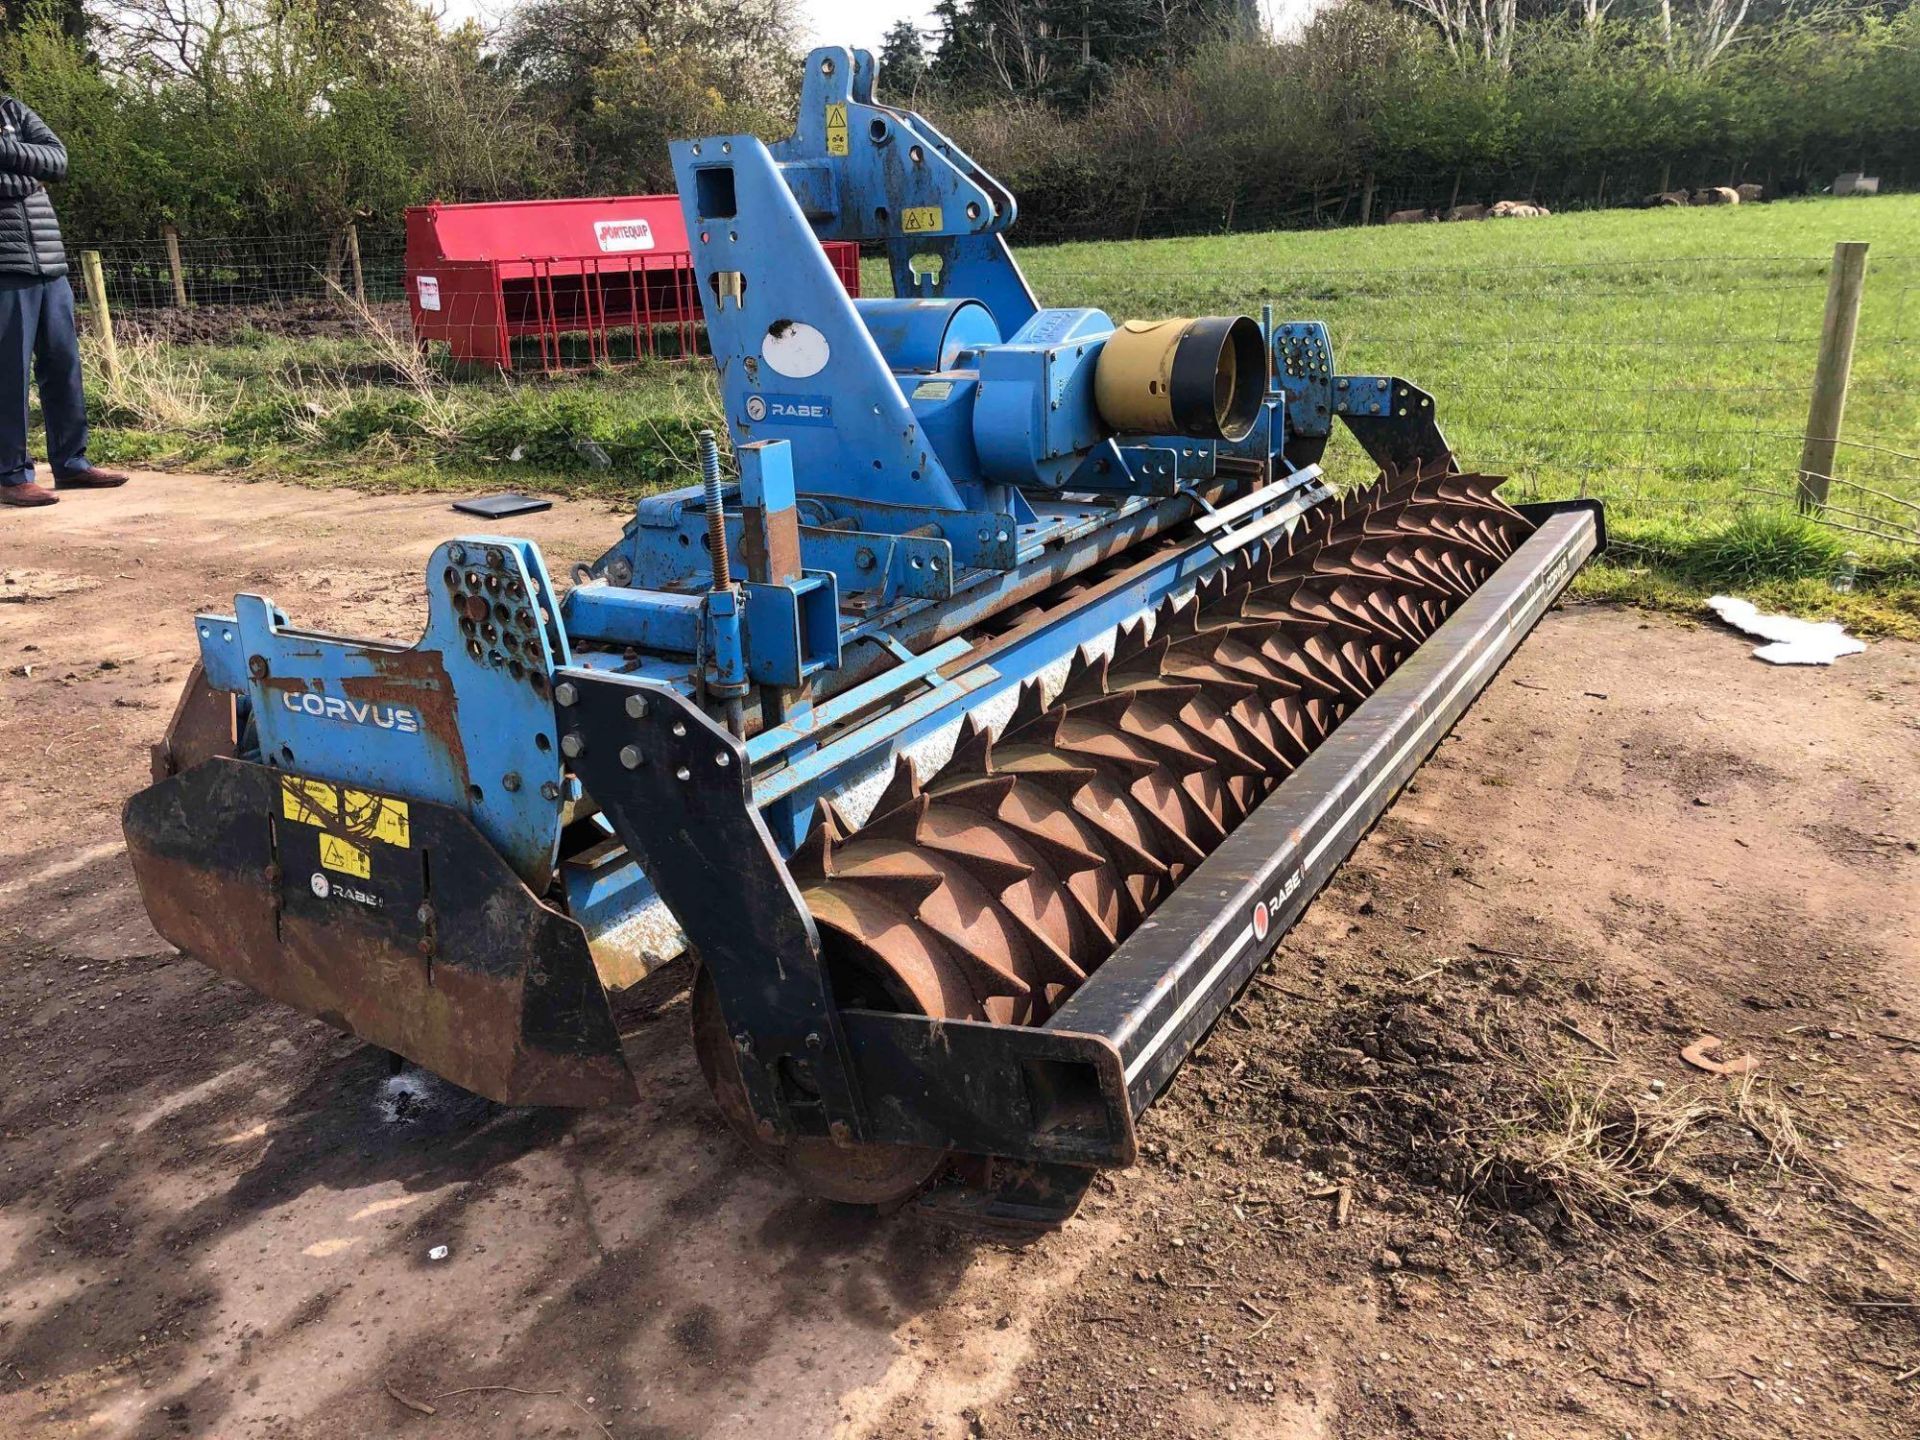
<point>172,237</point>
<point>1845,282</point>
<point>353,259</point>
<point>1366,200</point>
<point>102,317</point>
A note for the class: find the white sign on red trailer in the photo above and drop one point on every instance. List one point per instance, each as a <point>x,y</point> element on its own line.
<point>428,287</point>
<point>616,236</point>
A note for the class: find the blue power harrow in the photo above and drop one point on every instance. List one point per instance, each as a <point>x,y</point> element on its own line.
<point>973,743</point>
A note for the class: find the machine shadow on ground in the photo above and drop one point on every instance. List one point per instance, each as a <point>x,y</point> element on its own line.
<point>178,1142</point>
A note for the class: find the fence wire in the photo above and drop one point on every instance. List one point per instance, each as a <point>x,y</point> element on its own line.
<point>1673,388</point>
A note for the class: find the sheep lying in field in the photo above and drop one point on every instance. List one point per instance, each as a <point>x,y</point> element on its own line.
<point>1517,210</point>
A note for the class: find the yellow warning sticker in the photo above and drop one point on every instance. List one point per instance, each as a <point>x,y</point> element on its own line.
<point>359,815</point>
<point>836,129</point>
<point>345,857</point>
<point>919,219</point>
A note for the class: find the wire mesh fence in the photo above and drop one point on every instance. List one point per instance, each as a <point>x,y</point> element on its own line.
<point>1675,389</point>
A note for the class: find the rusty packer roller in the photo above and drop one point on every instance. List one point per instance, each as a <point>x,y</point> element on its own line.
<point>977,739</point>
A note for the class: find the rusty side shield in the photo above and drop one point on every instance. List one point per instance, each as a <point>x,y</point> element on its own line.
<point>394,920</point>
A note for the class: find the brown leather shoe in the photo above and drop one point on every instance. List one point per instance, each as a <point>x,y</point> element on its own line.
<point>27,494</point>
<point>89,480</point>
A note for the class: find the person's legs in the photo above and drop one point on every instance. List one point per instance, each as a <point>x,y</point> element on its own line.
<point>63,396</point>
<point>19,317</point>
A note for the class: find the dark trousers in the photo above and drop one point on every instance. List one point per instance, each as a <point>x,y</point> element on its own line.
<point>37,330</point>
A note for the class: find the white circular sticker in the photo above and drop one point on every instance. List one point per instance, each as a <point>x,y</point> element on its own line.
<point>320,885</point>
<point>795,349</point>
<point>756,408</point>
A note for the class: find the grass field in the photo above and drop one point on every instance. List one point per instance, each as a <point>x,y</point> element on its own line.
<point>1658,359</point>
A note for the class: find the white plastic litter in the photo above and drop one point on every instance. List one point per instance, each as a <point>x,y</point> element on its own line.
<point>1792,642</point>
<point>438,1252</point>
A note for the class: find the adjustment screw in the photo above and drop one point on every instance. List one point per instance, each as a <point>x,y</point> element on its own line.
<point>549,791</point>
<point>572,746</point>
<point>456,553</point>
<point>565,692</point>
<point>1379,384</point>
<point>813,1040</point>
<point>424,914</point>
<point>257,666</point>
<point>510,781</point>
<point>631,757</point>
<point>637,706</point>
<point>743,1042</point>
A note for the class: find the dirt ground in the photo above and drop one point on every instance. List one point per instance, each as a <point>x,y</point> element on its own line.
<point>1442,1172</point>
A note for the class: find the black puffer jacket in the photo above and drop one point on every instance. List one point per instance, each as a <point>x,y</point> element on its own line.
<point>30,155</point>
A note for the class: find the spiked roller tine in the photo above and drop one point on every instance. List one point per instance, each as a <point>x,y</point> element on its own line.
<point>900,823</point>
<point>982,794</point>
<point>1288,651</point>
<point>889,869</point>
<point>1377,608</point>
<point>1252,663</point>
<point>813,857</point>
<point>1115,754</point>
<point>1178,844</point>
<point>1341,617</point>
<point>902,789</point>
<point>1256,732</point>
<point>1106,710</point>
<point>1086,675</point>
<point>1312,530</point>
<point>1477,531</point>
<point>1219,680</point>
<point>1216,743</point>
<point>1462,488</point>
<point>1147,662</point>
<point>1179,622</point>
<point>1339,672</point>
<point>996,874</point>
<point>1123,852</point>
<point>1457,570</point>
<point>1029,708</point>
<point>972,928</point>
<point>1300,730</point>
<point>972,752</point>
<point>1066,857</point>
<point>1421,564</point>
<point>1131,640</point>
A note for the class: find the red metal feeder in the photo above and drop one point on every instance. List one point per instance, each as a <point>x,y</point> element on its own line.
<point>595,281</point>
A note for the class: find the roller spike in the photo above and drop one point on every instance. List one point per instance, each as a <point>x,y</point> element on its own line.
<point>972,752</point>
<point>813,857</point>
<point>888,869</point>
<point>900,821</point>
<point>902,788</point>
<point>1130,641</point>
<point>995,873</point>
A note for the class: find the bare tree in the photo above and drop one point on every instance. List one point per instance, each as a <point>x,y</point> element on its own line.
<point>1483,27</point>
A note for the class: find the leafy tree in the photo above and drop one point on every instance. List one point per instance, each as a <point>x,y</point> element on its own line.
<point>903,61</point>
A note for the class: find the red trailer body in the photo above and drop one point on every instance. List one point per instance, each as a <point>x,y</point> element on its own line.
<point>595,280</point>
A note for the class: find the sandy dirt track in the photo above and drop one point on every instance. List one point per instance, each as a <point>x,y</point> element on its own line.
<point>215,1215</point>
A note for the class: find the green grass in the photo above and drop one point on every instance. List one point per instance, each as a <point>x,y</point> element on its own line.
<point>1659,360</point>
